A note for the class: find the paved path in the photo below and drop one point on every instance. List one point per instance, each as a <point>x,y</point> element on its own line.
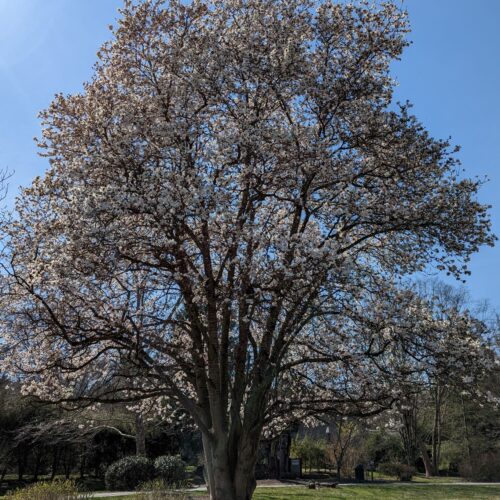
<point>278,484</point>
<point>109,494</point>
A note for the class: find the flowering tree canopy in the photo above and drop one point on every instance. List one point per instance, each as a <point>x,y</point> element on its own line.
<point>229,203</point>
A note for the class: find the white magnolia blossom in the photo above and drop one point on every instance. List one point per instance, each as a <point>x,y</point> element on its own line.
<point>230,203</point>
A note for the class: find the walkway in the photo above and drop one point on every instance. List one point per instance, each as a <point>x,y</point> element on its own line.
<point>278,484</point>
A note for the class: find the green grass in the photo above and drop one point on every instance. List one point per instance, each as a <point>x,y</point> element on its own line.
<point>375,492</point>
<point>420,478</point>
<point>386,492</point>
<point>417,478</point>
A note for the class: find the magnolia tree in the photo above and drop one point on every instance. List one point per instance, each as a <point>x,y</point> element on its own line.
<point>228,205</point>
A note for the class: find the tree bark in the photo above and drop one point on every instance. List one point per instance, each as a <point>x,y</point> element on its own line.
<point>83,463</point>
<point>244,477</point>
<point>466,432</point>
<point>140,436</point>
<point>56,456</point>
<point>230,479</point>
<point>436,431</point>
<point>21,465</point>
<point>36,469</point>
<point>425,458</point>
<point>408,431</point>
<point>218,472</point>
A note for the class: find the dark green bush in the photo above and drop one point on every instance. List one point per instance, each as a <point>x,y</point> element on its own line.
<point>382,447</point>
<point>169,468</point>
<point>402,471</point>
<point>128,473</point>
<point>483,467</point>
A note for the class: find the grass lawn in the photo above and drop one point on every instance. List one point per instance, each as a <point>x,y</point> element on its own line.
<point>386,492</point>
<point>375,492</point>
<point>417,478</point>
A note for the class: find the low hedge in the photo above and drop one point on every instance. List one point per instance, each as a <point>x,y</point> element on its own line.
<point>128,473</point>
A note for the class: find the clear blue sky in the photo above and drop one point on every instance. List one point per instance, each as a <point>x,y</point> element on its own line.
<point>451,73</point>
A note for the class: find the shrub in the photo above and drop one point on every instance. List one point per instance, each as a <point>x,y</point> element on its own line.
<point>483,467</point>
<point>382,447</point>
<point>170,469</point>
<point>402,471</point>
<point>128,473</point>
<point>48,491</point>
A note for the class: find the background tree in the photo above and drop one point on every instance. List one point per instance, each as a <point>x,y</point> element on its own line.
<point>460,356</point>
<point>342,437</point>
<point>225,199</point>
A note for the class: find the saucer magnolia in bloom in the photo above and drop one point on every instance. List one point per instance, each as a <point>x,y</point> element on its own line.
<point>223,199</point>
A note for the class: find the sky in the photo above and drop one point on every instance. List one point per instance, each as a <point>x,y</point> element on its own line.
<point>451,74</point>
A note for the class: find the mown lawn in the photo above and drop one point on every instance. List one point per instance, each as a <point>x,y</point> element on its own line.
<point>385,492</point>
<point>417,478</point>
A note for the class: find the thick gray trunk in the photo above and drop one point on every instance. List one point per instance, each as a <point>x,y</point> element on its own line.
<point>230,479</point>
<point>244,477</point>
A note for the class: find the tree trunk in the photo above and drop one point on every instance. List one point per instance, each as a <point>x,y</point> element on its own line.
<point>438,448</point>
<point>340,461</point>
<point>230,479</point>
<point>140,436</point>
<point>425,458</point>
<point>67,465</point>
<point>244,477</point>
<point>436,431</point>
<point>83,463</point>
<point>220,484</point>
<point>466,433</point>
<point>408,430</point>
<point>21,465</point>
<point>55,462</point>
<point>36,470</point>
